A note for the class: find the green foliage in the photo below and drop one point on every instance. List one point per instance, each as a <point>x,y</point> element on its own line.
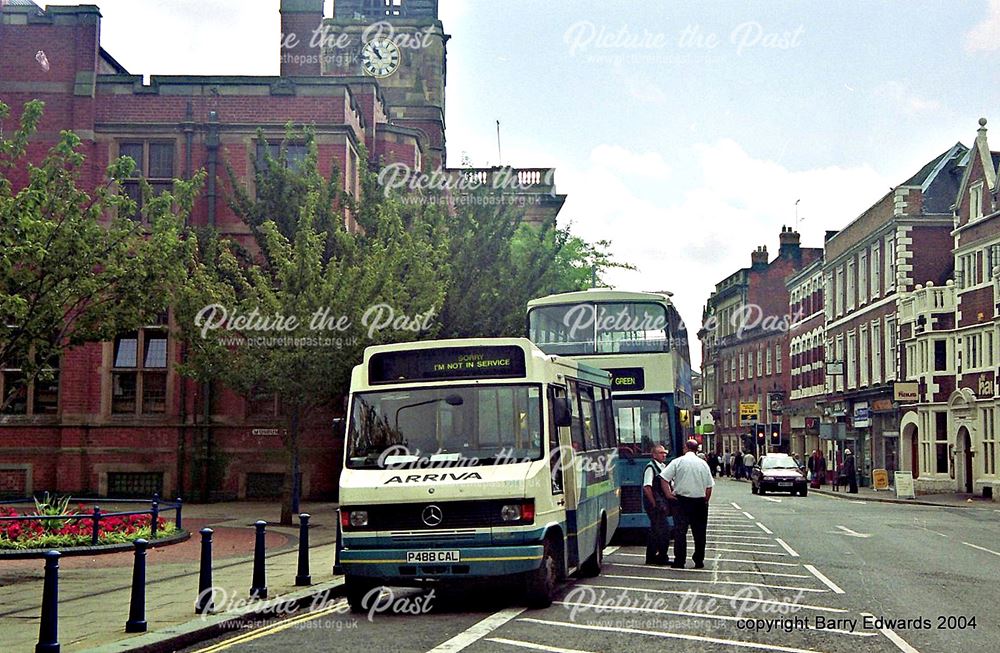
<point>304,262</point>
<point>75,269</point>
<point>53,506</point>
<point>499,263</point>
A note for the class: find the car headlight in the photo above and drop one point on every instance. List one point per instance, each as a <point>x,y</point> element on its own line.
<point>359,518</point>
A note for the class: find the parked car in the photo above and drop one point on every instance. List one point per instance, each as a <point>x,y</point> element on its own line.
<point>778,473</point>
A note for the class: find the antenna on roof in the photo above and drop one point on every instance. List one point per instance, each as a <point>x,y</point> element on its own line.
<point>499,154</point>
<point>797,219</point>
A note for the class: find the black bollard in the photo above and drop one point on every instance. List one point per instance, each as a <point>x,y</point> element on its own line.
<point>48,629</point>
<point>178,520</point>
<point>154,518</point>
<point>137,605</point>
<point>206,592</point>
<point>302,577</point>
<point>96,531</point>
<point>258,588</point>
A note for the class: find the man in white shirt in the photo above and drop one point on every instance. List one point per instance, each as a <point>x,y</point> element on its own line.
<point>655,504</point>
<point>689,481</point>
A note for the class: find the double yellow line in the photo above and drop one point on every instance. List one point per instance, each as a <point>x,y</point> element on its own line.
<point>276,628</point>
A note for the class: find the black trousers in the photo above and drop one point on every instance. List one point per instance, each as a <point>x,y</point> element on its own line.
<point>658,539</point>
<point>693,513</point>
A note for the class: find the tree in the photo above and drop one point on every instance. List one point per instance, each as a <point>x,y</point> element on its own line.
<point>321,291</point>
<point>73,267</point>
<point>513,262</point>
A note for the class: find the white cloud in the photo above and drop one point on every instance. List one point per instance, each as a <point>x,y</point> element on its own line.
<point>686,241</point>
<point>898,96</point>
<point>985,35</point>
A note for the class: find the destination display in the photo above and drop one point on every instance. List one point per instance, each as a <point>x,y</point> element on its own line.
<point>446,363</point>
<point>627,378</point>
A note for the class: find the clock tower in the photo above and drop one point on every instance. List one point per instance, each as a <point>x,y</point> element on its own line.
<point>402,45</point>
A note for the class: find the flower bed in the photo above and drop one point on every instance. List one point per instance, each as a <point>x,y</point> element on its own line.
<point>64,533</point>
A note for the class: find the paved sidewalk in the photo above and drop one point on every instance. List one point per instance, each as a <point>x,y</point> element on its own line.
<point>953,500</point>
<point>94,590</point>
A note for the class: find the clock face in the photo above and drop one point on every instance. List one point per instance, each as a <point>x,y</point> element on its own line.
<point>380,57</point>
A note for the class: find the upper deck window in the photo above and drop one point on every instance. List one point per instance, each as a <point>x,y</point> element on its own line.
<point>604,328</point>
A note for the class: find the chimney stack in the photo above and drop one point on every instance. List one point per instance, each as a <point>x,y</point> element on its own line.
<point>299,21</point>
<point>789,240</point>
<point>758,258</point>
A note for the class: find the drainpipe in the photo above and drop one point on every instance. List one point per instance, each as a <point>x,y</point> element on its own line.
<point>212,146</point>
<point>188,128</point>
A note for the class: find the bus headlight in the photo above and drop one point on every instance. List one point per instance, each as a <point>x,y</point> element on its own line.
<point>521,512</point>
<point>358,518</point>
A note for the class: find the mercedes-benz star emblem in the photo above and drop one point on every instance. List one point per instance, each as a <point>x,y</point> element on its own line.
<point>432,516</point>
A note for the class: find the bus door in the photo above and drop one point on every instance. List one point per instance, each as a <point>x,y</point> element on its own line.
<point>566,488</point>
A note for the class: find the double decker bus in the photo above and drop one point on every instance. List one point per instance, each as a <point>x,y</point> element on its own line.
<point>472,459</point>
<point>641,340</point>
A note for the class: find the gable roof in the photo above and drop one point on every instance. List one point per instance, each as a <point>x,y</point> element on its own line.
<point>989,160</point>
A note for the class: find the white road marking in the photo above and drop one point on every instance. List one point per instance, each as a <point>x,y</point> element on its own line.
<point>981,548</point>
<point>790,550</point>
<point>691,638</point>
<point>861,502</point>
<point>533,646</point>
<point>660,579</point>
<point>735,505</point>
<point>826,581</point>
<point>739,597</point>
<point>900,643</point>
<point>772,500</point>
<point>848,531</point>
<point>716,570</point>
<point>765,529</point>
<point>748,515</point>
<point>477,631</point>
<point>700,615</point>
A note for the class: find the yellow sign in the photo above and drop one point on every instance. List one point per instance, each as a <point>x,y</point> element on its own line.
<point>685,417</point>
<point>749,413</point>
<point>880,479</point>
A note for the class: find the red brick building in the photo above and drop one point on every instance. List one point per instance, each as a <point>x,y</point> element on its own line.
<point>901,240</point>
<point>118,418</point>
<point>806,356</point>
<point>745,347</point>
<point>949,334</point>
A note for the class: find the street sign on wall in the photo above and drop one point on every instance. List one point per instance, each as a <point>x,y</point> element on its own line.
<point>905,391</point>
<point>749,413</point>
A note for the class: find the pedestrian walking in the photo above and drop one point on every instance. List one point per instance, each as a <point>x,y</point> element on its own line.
<point>727,463</point>
<point>657,508</point>
<point>738,464</point>
<point>817,469</point>
<point>748,461</point>
<point>713,463</point>
<point>850,471</point>
<point>688,480</point>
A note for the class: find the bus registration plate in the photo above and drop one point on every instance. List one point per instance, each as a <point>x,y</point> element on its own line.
<point>432,556</point>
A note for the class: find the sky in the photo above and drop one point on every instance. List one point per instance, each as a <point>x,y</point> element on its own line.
<point>686,132</point>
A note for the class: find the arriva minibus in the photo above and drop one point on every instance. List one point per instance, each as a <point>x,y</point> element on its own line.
<point>473,459</point>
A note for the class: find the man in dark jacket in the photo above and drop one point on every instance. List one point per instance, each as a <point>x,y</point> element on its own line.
<point>657,509</point>
<point>850,471</point>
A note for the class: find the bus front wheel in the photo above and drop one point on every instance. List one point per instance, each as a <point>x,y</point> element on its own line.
<point>541,583</point>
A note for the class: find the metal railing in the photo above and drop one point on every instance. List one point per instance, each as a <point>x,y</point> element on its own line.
<point>96,516</point>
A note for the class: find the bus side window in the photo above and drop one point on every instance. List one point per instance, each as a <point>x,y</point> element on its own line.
<point>591,419</point>
<point>610,439</point>
<point>555,451</point>
<point>576,431</point>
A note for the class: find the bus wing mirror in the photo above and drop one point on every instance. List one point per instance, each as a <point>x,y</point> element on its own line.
<point>561,412</point>
<point>338,427</point>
